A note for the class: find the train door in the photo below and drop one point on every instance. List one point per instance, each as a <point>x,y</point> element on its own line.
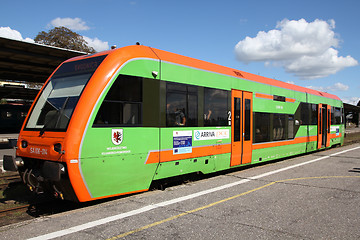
<point>241,127</point>
<point>324,122</point>
<point>328,126</point>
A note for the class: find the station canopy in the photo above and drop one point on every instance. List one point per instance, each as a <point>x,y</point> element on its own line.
<point>28,62</point>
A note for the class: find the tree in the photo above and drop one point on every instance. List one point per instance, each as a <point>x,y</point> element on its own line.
<point>63,37</point>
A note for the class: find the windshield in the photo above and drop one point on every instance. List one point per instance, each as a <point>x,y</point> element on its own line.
<point>58,99</point>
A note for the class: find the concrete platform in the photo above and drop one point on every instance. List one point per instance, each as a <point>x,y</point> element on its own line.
<point>352,130</point>
<point>7,137</point>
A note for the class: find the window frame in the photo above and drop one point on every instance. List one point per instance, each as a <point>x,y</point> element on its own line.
<point>175,111</point>
<point>209,103</point>
<point>108,99</point>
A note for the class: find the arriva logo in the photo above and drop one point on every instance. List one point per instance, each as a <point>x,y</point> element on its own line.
<point>211,134</point>
<point>197,135</point>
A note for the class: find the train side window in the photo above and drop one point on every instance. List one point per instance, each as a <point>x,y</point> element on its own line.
<point>215,107</point>
<point>237,119</point>
<point>122,104</point>
<point>305,113</point>
<point>314,114</point>
<point>192,110</point>
<point>291,127</point>
<point>336,116</point>
<point>279,127</point>
<point>175,109</point>
<point>309,114</point>
<point>342,118</point>
<point>181,105</point>
<point>261,127</point>
<point>247,118</point>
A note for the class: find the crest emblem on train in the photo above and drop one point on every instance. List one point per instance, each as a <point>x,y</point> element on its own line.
<point>117,136</point>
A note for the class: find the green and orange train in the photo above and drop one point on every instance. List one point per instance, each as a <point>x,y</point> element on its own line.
<point>113,122</point>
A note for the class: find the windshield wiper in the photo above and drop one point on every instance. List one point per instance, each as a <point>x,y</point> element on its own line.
<point>62,109</point>
<point>58,115</point>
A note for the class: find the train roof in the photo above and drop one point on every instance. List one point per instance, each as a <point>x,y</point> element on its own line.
<point>140,51</point>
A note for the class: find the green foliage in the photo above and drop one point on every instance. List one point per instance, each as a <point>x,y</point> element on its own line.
<point>63,37</point>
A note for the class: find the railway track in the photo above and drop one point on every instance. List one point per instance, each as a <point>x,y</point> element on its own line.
<point>9,177</point>
<point>17,203</point>
<point>13,210</point>
<point>5,180</point>
<point>10,209</point>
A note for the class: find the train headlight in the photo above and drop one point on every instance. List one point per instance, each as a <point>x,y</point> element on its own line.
<point>24,144</point>
<point>58,148</point>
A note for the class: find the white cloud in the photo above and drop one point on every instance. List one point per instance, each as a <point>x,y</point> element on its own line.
<point>334,88</point>
<point>75,24</point>
<point>303,49</point>
<point>339,87</point>
<point>7,32</point>
<point>311,67</point>
<point>97,44</point>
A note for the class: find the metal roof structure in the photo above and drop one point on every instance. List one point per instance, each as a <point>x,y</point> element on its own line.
<point>18,93</point>
<point>30,62</point>
<point>355,111</point>
<point>351,108</point>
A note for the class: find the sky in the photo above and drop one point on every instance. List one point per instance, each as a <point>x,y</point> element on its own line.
<point>311,43</point>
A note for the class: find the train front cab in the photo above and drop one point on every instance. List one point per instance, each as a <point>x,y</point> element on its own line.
<point>47,143</point>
